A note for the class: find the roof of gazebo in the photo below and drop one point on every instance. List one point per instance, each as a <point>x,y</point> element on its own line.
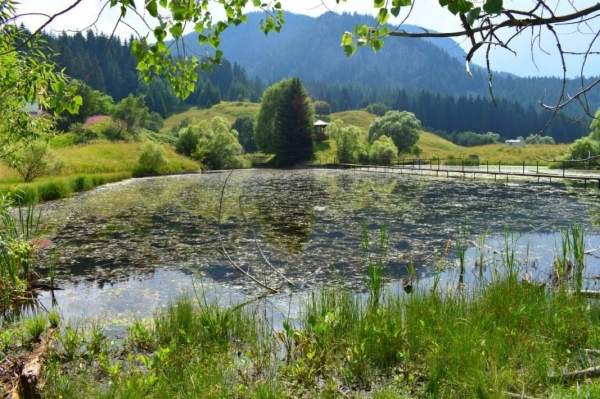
<point>321,123</point>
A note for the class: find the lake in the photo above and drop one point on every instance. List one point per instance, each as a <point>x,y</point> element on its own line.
<point>125,249</point>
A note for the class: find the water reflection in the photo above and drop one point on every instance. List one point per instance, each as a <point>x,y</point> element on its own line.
<point>133,234</point>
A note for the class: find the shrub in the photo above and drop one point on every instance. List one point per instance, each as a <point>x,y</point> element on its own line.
<point>469,139</point>
<point>151,162</point>
<point>539,139</point>
<point>377,109</point>
<point>34,160</point>
<point>53,190</point>
<point>187,141</point>
<point>383,151</point>
<point>84,134</point>
<point>349,140</point>
<point>402,127</point>
<point>218,147</point>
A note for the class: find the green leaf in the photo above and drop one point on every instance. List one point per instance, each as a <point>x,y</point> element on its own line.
<point>152,8</point>
<point>493,6</point>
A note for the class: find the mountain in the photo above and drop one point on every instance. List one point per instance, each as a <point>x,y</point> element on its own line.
<point>309,48</point>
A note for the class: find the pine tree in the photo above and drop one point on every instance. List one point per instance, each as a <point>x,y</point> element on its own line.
<point>294,125</point>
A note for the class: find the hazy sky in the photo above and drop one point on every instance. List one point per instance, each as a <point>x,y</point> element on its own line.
<point>426,13</point>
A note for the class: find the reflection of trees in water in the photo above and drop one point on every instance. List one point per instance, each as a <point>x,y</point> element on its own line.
<point>284,209</point>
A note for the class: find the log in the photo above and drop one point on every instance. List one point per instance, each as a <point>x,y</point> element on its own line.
<point>591,372</point>
<point>29,379</point>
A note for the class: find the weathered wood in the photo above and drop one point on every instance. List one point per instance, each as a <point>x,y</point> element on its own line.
<point>27,385</point>
<point>591,372</point>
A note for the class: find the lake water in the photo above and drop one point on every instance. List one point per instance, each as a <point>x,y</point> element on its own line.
<point>125,249</point>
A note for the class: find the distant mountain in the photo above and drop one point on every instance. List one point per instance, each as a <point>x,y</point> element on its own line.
<point>309,48</point>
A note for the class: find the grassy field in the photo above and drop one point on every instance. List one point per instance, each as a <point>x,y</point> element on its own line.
<point>227,110</point>
<point>98,162</point>
<point>434,146</point>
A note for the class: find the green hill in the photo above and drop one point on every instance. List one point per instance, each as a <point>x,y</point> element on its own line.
<point>227,110</point>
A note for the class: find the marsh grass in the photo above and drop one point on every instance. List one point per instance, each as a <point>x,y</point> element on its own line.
<point>503,335</point>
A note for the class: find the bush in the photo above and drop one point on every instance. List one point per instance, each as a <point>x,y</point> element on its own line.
<point>584,148</point>
<point>470,139</point>
<point>34,160</point>
<point>53,190</point>
<point>151,162</point>
<point>187,141</point>
<point>539,139</point>
<point>377,109</point>
<point>218,147</point>
<point>350,142</point>
<point>84,134</point>
<point>402,127</point>
<point>383,151</point>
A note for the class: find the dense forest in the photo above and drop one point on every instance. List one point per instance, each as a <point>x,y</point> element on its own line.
<point>108,65</point>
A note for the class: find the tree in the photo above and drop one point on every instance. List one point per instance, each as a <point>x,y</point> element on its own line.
<point>402,127</point>
<point>378,109</point>
<point>284,124</point>
<point>244,126</point>
<point>94,102</point>
<point>350,141</point>
<point>151,161</point>
<point>294,125</point>
<point>322,108</point>
<point>34,160</point>
<point>218,145</point>
<point>383,151</point>
<point>132,111</point>
<point>187,140</point>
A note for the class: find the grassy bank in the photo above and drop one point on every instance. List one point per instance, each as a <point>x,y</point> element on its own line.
<point>434,146</point>
<point>87,166</point>
<point>509,337</point>
<point>228,110</point>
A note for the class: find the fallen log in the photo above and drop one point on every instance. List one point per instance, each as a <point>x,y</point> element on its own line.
<point>26,386</point>
<point>591,372</point>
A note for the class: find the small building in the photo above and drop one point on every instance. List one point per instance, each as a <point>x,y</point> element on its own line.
<point>515,143</point>
<point>320,130</point>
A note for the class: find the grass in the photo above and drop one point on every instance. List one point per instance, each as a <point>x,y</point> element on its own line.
<point>500,335</point>
<point>87,166</point>
<point>228,110</point>
<point>434,146</point>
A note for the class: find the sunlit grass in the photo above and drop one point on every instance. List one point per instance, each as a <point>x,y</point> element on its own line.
<point>228,110</point>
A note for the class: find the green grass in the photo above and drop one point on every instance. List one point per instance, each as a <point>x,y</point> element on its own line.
<point>228,110</point>
<point>87,166</point>
<point>499,335</point>
<point>434,146</point>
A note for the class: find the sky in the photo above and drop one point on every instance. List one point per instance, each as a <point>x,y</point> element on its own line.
<point>426,13</point>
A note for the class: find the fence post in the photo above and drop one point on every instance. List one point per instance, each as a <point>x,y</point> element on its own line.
<point>487,166</point>
<point>523,167</point>
<point>462,161</point>
<point>563,165</point>
<point>537,167</point>
<point>499,166</point>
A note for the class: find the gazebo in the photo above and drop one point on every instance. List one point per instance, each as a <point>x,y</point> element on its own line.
<point>320,127</point>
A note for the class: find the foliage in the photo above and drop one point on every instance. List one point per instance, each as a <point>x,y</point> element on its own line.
<point>132,111</point>
<point>94,102</point>
<point>378,109</point>
<point>218,146</point>
<point>322,108</point>
<point>539,139</point>
<point>244,126</point>
<point>470,139</point>
<point>152,160</point>
<point>589,146</point>
<point>350,141</point>
<point>35,160</point>
<point>285,123</point>
<point>383,151</point>
<point>402,127</point>
<point>187,140</point>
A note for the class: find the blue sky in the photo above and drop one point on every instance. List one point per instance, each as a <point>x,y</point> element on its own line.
<point>426,13</point>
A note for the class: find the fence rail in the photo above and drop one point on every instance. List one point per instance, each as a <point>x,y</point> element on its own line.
<point>542,171</point>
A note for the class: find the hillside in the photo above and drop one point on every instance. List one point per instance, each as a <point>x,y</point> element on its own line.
<point>431,144</point>
<point>309,48</point>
